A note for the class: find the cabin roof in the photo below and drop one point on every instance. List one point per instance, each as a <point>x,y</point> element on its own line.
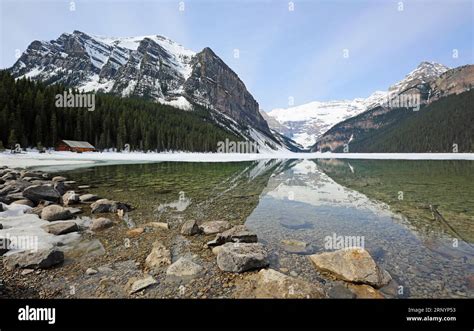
<point>78,144</point>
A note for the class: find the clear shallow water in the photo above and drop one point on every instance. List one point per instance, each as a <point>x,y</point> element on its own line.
<point>310,200</point>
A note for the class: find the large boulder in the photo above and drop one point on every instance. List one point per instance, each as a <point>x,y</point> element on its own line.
<point>101,223</point>
<point>353,265</point>
<point>184,269</point>
<point>36,193</point>
<point>213,227</point>
<point>240,257</point>
<point>159,256</point>
<point>271,284</point>
<point>55,213</point>
<point>70,198</point>
<point>42,259</point>
<point>61,228</point>
<point>108,206</point>
<point>237,234</point>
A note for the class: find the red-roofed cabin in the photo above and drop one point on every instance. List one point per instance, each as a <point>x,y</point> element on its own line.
<point>75,146</point>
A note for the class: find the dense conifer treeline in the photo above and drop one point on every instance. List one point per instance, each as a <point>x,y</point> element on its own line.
<point>29,116</point>
<point>435,128</point>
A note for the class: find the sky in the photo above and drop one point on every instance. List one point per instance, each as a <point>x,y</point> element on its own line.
<point>289,53</point>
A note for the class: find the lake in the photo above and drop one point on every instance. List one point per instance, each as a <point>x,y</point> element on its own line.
<point>416,218</point>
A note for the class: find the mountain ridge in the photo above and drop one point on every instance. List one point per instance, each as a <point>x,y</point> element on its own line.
<point>152,67</point>
<point>308,122</point>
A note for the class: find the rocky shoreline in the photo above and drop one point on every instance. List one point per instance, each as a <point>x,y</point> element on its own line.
<point>86,247</point>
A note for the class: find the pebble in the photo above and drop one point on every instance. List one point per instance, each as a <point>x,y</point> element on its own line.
<point>91,271</point>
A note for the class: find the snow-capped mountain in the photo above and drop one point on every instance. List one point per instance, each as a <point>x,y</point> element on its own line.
<point>425,72</point>
<point>306,123</point>
<point>153,67</point>
<point>376,129</point>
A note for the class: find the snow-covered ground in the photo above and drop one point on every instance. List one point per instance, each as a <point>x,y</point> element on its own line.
<point>35,159</point>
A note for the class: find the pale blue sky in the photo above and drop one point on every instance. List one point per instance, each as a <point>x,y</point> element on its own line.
<point>283,53</point>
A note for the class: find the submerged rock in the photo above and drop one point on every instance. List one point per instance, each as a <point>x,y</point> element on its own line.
<point>353,265</point>
<point>237,234</point>
<point>159,256</point>
<point>108,206</point>
<point>42,259</point>
<point>213,227</point>
<point>36,193</point>
<point>295,246</point>
<point>240,257</point>
<point>271,284</point>
<point>55,213</point>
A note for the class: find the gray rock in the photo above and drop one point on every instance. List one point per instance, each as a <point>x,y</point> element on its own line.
<point>352,265</point>
<point>101,224</point>
<point>70,198</point>
<point>159,256</point>
<point>88,198</point>
<point>184,269</point>
<point>55,213</point>
<point>213,227</point>
<point>339,291</point>
<point>42,259</point>
<point>237,234</point>
<point>91,271</point>
<point>142,284</point>
<point>190,228</point>
<point>25,202</point>
<point>75,211</point>
<point>1,207</point>
<point>271,284</point>
<point>295,246</point>
<point>36,193</point>
<point>295,224</point>
<point>60,187</point>
<point>61,228</point>
<point>31,174</point>
<point>4,245</point>
<point>108,206</point>
<point>59,179</point>
<point>240,257</point>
